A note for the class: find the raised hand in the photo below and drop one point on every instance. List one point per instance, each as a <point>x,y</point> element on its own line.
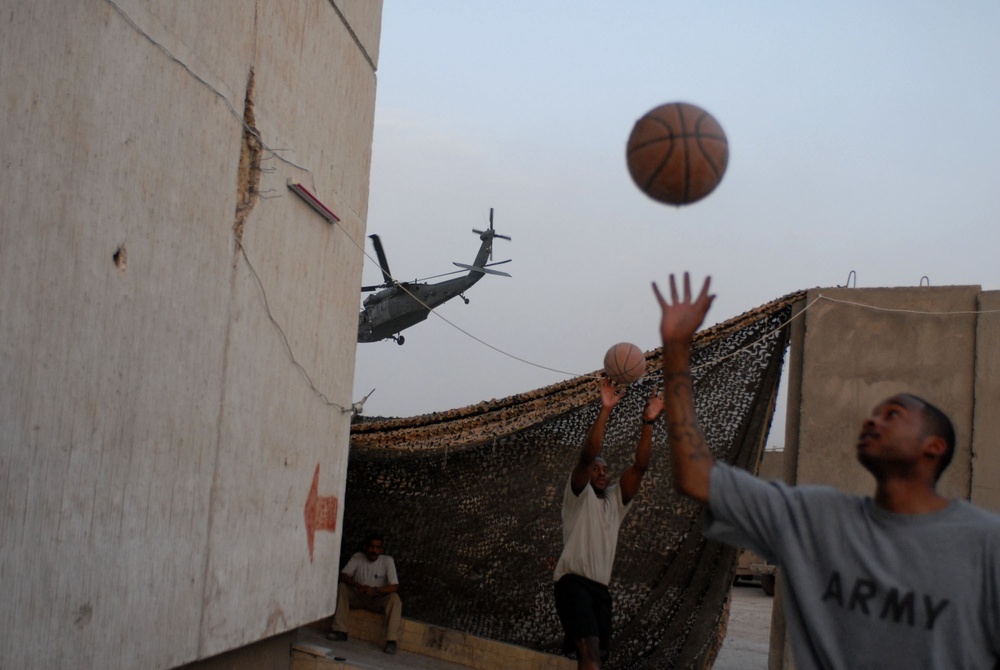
<point>689,453</point>
<point>611,393</point>
<point>681,318</point>
<point>654,406</point>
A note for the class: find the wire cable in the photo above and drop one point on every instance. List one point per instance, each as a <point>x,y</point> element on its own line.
<point>907,311</point>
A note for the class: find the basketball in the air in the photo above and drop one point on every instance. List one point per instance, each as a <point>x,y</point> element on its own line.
<point>677,153</point>
<point>624,363</point>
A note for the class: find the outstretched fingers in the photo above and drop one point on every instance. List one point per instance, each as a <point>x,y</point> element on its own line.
<point>654,404</point>
<point>675,297</point>
<point>659,296</point>
<point>704,296</point>
<point>611,393</point>
<point>682,316</point>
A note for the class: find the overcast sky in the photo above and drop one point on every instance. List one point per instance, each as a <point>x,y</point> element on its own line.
<point>864,137</point>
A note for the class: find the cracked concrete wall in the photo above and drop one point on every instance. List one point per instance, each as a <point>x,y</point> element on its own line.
<point>177,328</point>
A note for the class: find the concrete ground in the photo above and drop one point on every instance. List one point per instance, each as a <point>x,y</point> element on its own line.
<point>355,654</point>
<point>744,648</point>
<point>749,631</point>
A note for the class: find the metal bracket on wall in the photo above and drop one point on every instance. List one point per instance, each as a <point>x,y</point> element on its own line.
<point>311,200</point>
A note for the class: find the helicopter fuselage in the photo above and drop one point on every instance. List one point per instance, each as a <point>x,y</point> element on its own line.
<point>398,307</point>
<point>403,304</point>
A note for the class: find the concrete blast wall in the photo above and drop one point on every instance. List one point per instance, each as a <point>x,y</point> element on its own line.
<point>857,347</point>
<point>177,328</point>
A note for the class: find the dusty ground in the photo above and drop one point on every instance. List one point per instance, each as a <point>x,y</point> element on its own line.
<point>745,646</point>
<point>746,643</point>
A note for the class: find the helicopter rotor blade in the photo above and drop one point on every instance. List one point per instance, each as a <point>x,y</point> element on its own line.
<point>491,233</point>
<point>443,274</point>
<point>383,263</point>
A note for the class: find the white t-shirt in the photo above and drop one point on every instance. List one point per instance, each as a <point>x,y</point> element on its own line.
<point>378,573</point>
<point>590,532</point>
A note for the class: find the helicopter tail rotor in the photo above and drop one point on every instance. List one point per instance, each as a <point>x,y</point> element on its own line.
<point>490,233</point>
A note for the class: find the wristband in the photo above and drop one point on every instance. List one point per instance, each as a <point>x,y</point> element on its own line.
<point>649,422</point>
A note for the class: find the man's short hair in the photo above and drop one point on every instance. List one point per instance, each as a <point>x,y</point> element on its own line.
<point>375,535</point>
<point>938,424</point>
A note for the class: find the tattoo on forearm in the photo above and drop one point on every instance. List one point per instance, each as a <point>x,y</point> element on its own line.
<point>688,437</point>
<point>670,376</point>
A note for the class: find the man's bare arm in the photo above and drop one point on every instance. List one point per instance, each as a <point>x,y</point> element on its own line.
<point>632,477</point>
<point>610,395</point>
<point>689,453</point>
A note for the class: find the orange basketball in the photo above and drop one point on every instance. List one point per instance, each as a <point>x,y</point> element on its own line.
<point>624,363</point>
<point>677,153</point>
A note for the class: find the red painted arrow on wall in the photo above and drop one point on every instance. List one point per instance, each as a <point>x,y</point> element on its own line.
<point>321,512</point>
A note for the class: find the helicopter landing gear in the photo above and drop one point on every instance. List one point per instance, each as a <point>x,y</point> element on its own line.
<point>462,296</point>
<point>399,339</point>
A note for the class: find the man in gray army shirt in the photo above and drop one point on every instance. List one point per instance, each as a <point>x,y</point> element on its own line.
<point>906,579</point>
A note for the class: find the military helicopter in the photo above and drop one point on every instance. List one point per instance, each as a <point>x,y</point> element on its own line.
<point>396,306</point>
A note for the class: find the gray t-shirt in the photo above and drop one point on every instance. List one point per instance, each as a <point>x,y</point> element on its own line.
<point>863,587</point>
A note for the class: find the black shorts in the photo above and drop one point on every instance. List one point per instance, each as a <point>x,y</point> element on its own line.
<point>584,608</point>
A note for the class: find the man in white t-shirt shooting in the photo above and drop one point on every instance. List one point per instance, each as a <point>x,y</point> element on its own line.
<point>369,582</point>
<point>593,510</point>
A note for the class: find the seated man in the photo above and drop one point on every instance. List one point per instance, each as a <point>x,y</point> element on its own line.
<point>369,582</point>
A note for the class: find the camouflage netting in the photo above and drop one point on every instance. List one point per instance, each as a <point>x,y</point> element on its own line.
<point>470,502</point>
